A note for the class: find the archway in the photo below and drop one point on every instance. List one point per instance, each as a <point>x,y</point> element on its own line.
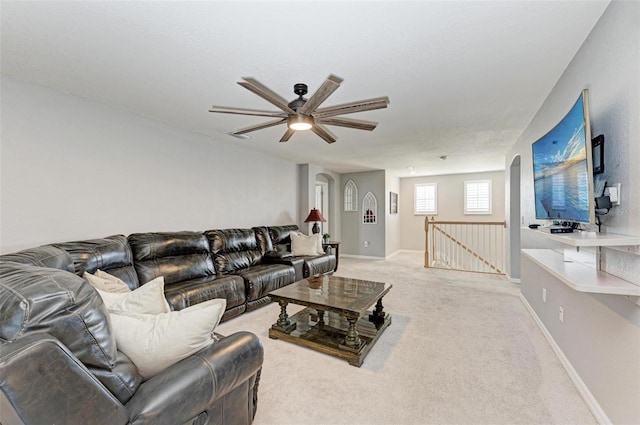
<point>323,200</point>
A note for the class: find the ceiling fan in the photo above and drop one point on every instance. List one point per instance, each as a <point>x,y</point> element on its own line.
<point>304,114</point>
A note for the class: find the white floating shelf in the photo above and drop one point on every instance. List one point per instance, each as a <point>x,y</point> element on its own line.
<point>584,238</point>
<point>581,277</point>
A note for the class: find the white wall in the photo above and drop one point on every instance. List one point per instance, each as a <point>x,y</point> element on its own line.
<point>72,169</point>
<point>600,335</point>
<point>450,204</point>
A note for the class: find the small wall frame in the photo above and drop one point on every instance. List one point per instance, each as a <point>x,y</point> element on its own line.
<point>393,203</point>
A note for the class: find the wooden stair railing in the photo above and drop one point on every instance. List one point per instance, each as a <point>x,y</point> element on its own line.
<point>435,225</point>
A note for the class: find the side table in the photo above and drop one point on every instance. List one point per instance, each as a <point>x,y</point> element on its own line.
<point>335,246</point>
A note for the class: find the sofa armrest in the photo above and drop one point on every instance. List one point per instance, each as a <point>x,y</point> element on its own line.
<point>278,255</point>
<point>191,387</point>
<point>296,262</point>
<point>42,382</point>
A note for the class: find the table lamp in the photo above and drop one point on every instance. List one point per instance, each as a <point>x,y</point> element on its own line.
<point>315,216</point>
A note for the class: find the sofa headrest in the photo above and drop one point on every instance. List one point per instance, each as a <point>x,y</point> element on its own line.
<point>231,240</point>
<point>177,256</point>
<point>280,234</point>
<point>111,254</point>
<point>38,299</point>
<point>42,256</point>
<point>233,249</point>
<point>150,246</point>
<point>263,239</point>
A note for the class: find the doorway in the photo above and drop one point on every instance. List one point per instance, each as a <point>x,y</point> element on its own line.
<point>322,204</point>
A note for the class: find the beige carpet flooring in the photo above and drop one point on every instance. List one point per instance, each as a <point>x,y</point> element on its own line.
<point>461,349</point>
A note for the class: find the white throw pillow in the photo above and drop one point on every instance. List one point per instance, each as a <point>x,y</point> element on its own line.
<point>302,244</point>
<point>106,282</point>
<point>147,299</point>
<point>154,342</point>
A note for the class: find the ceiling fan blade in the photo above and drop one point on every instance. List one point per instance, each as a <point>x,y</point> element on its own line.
<point>324,132</point>
<point>266,93</point>
<point>330,85</point>
<point>259,126</point>
<point>351,107</point>
<point>348,122</point>
<point>241,111</point>
<point>287,135</point>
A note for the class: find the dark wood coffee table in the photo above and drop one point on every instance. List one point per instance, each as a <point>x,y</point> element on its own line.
<point>337,320</point>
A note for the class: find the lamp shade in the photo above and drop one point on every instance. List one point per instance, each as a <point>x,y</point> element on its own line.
<point>314,215</point>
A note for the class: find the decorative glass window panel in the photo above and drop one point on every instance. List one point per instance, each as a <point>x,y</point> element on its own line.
<point>369,209</point>
<point>425,199</point>
<point>350,196</point>
<point>477,197</point>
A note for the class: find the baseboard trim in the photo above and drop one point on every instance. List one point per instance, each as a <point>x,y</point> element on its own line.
<point>514,279</point>
<point>400,251</point>
<point>361,257</point>
<point>589,399</point>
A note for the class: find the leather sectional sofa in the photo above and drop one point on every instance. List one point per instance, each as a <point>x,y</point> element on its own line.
<point>59,362</point>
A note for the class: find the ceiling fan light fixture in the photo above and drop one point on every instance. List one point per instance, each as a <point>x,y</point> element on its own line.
<point>299,122</point>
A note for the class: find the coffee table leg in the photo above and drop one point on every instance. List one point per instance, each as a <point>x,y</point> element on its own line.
<point>320,317</point>
<point>283,319</point>
<point>378,315</point>
<point>284,324</point>
<point>352,339</point>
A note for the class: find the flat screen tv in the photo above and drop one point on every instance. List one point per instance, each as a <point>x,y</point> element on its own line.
<point>563,169</point>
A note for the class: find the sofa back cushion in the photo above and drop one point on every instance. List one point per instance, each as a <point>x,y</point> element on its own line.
<point>111,254</point>
<point>234,249</point>
<point>42,256</point>
<point>263,239</point>
<point>178,256</point>
<point>280,236</point>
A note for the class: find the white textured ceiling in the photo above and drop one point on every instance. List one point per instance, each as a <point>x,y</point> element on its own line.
<point>464,78</point>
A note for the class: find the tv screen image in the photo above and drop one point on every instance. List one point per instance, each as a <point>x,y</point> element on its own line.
<point>562,168</point>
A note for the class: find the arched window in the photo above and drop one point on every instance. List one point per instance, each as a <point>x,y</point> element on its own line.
<point>369,209</point>
<point>350,196</point>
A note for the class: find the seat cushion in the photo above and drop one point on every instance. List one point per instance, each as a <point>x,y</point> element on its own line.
<point>264,278</point>
<point>319,264</point>
<point>190,292</point>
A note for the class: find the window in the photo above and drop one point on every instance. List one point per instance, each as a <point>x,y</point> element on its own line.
<point>477,197</point>
<point>370,209</point>
<point>425,199</point>
<point>350,196</point>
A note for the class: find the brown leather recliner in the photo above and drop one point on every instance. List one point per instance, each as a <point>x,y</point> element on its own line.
<point>59,362</point>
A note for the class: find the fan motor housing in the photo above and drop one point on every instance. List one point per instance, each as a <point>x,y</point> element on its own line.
<point>300,89</point>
